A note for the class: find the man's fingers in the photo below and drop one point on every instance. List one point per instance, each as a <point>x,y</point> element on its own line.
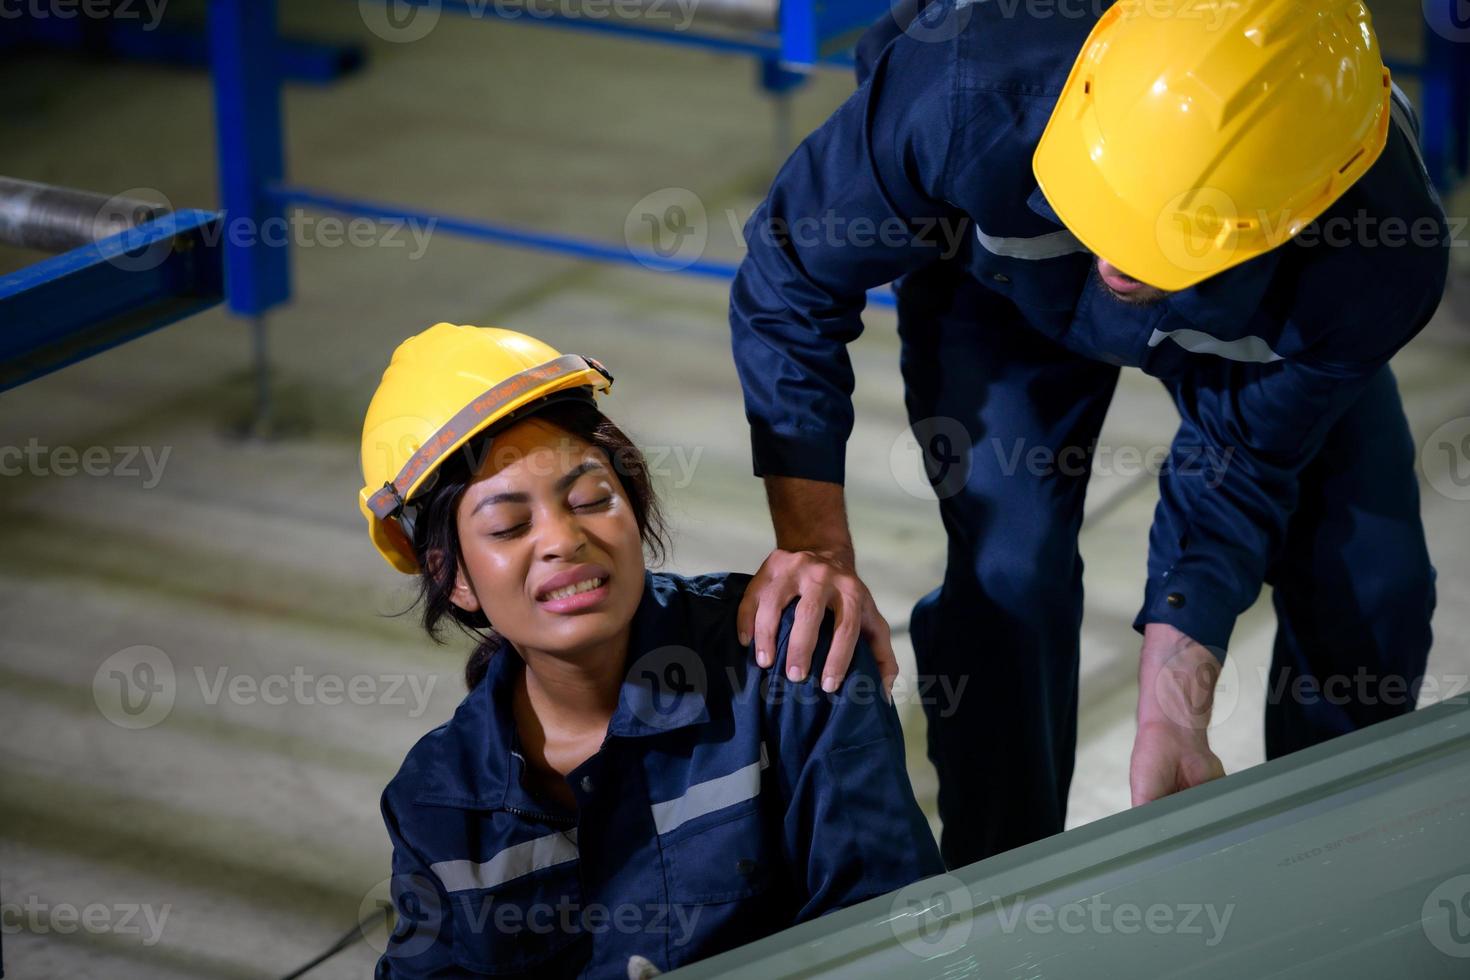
<point>1202,769</point>
<point>770,601</point>
<point>875,628</point>
<point>844,641</point>
<point>745,615</point>
<point>1149,776</point>
<point>1145,788</point>
<point>750,603</point>
<point>803,638</point>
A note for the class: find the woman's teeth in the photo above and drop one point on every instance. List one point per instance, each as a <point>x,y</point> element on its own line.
<point>586,585</point>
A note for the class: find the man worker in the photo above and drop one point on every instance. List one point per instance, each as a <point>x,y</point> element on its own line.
<point>1228,196</point>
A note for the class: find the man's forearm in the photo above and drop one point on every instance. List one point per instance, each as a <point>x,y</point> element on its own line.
<point>809,515</point>
<point>1176,679</point>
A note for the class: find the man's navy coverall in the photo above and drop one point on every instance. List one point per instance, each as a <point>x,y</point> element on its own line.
<point>1292,464</point>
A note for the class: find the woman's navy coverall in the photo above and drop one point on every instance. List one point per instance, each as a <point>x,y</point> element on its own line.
<point>725,804</point>
<point>1293,462</point>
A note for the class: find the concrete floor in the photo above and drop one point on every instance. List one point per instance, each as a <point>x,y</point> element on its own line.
<point>248,830</point>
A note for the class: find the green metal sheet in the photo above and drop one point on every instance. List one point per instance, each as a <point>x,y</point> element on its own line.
<point>1350,859</point>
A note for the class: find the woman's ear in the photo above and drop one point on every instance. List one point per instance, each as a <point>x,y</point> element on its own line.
<point>463,595</point>
<point>463,592</point>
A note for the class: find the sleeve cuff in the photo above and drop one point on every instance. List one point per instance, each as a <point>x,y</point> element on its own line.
<point>1188,607</point>
<point>806,456</point>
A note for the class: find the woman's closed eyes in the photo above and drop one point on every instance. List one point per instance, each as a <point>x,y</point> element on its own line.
<point>593,505</point>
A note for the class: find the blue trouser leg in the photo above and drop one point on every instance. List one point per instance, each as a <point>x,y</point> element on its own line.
<point>1018,416</point>
<point>1354,589</point>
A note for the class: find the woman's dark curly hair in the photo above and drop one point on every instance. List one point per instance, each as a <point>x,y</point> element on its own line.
<point>436,527</point>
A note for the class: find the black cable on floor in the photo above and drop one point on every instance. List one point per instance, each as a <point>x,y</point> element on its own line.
<point>351,936</point>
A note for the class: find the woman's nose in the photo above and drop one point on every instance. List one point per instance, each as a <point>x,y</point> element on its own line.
<point>564,537</point>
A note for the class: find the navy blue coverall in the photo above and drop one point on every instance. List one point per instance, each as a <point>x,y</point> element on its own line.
<point>1292,464</point>
<point>725,804</point>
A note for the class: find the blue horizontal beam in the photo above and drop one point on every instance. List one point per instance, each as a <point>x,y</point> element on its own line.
<point>176,44</point>
<point>500,234</point>
<point>70,306</point>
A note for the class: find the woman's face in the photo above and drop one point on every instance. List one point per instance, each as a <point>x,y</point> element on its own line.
<point>549,543</point>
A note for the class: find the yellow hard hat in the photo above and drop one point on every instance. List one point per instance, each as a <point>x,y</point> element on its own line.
<point>1192,135</point>
<point>441,388</point>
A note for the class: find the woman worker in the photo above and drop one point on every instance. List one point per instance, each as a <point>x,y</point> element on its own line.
<point>622,780</point>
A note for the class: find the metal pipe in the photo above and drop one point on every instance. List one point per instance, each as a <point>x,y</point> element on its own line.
<point>749,15</point>
<point>59,219</point>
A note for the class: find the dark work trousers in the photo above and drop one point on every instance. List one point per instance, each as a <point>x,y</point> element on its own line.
<point>1353,586</point>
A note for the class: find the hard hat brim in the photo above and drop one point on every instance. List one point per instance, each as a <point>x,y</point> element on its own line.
<point>1140,245</point>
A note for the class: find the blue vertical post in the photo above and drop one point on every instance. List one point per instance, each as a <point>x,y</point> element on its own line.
<point>1434,99</point>
<point>779,82</point>
<point>248,124</point>
<point>1459,56</point>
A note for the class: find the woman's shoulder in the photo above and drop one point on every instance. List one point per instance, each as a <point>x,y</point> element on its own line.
<point>706,588</point>
<point>436,768</point>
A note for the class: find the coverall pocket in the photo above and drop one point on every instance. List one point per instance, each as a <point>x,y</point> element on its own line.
<point>527,927</point>
<point>722,859</point>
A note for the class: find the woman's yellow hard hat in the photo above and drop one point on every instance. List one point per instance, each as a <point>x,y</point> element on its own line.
<point>1192,135</point>
<point>443,387</point>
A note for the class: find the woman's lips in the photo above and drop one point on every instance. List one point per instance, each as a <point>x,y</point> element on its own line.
<point>584,598</point>
<point>578,602</point>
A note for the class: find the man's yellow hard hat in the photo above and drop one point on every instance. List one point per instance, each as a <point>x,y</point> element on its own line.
<point>443,387</point>
<point>1192,135</point>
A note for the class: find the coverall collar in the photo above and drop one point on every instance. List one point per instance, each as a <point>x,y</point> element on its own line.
<point>482,767</point>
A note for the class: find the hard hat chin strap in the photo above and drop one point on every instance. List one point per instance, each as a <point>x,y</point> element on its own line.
<point>408,516</point>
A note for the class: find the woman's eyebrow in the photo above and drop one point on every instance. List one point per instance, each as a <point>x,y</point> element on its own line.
<point>500,498</point>
<point>518,497</point>
<point>576,471</point>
